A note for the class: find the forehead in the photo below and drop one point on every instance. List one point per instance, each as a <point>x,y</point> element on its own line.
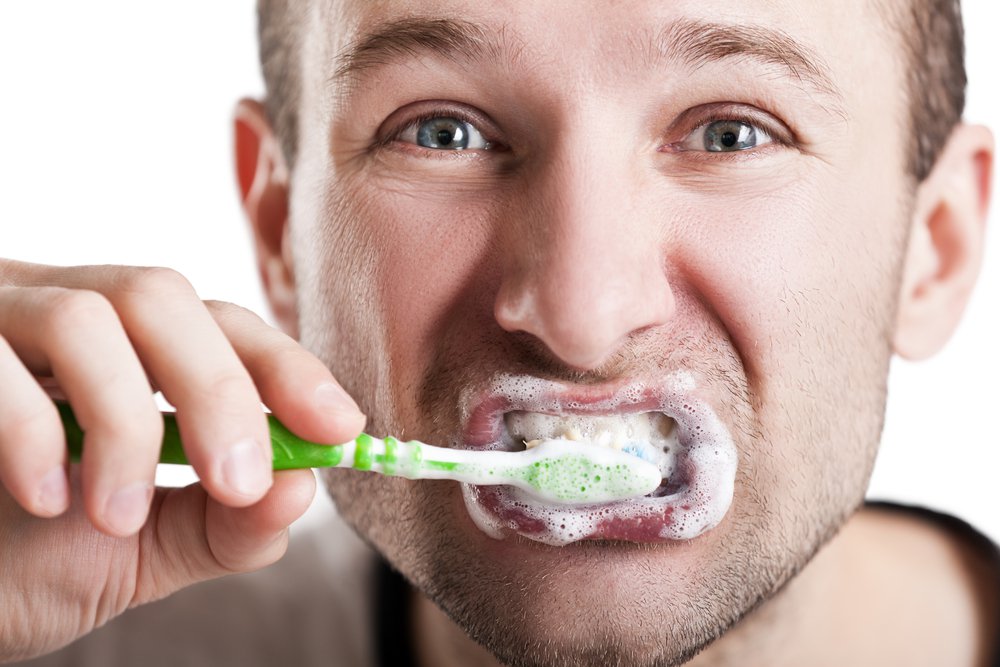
<point>841,55</point>
<point>838,35</point>
<point>802,13</point>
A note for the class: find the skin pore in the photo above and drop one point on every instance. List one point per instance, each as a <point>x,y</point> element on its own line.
<point>589,237</point>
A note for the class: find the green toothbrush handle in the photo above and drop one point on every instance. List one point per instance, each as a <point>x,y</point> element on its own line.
<point>556,471</point>
<point>290,451</point>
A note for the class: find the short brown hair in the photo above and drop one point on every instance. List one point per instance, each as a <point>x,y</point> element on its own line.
<point>930,34</point>
<point>279,30</point>
<point>932,42</point>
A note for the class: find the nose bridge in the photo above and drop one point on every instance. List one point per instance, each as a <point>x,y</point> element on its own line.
<point>585,266</point>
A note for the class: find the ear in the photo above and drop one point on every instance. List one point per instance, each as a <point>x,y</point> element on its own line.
<point>946,243</point>
<point>262,176</point>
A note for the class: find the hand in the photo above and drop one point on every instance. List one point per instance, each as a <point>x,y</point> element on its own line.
<point>107,336</point>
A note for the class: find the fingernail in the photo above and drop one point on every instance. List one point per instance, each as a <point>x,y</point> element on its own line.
<point>245,470</point>
<point>53,492</point>
<point>126,509</point>
<point>332,397</point>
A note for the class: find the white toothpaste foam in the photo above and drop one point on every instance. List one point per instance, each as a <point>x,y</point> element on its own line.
<point>704,447</point>
<point>647,435</point>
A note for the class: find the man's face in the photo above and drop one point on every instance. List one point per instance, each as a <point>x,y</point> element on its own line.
<point>608,212</point>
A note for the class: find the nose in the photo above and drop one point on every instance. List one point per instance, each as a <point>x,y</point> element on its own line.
<point>584,265</point>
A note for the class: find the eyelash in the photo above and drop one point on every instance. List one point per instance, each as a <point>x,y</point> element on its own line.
<point>423,117</point>
<point>779,134</point>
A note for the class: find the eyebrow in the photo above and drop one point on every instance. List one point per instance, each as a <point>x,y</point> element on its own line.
<point>698,43</point>
<point>690,42</point>
<point>408,38</point>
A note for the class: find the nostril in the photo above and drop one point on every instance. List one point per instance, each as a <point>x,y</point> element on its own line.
<point>576,340</point>
<point>581,331</point>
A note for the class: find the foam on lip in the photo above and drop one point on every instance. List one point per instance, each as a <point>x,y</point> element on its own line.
<point>706,470</point>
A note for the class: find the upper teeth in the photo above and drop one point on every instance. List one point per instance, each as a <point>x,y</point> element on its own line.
<point>648,435</point>
<point>615,430</point>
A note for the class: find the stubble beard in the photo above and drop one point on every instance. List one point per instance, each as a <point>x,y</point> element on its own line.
<point>530,617</point>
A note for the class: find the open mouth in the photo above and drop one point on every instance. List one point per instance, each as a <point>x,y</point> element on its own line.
<point>651,436</point>
<point>665,424</point>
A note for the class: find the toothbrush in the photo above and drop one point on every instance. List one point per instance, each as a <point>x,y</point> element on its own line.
<point>556,471</point>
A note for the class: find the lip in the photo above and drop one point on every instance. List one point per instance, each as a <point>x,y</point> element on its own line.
<point>703,480</point>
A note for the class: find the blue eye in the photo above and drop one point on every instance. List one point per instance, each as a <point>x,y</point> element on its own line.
<point>444,133</point>
<point>726,136</point>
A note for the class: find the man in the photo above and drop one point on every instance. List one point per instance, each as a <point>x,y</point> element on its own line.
<point>709,222</point>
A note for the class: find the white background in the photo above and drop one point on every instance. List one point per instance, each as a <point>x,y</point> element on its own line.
<point>116,148</point>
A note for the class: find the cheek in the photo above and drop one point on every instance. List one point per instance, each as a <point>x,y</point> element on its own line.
<point>432,257</point>
<point>803,282</point>
<point>810,268</point>
<point>427,264</point>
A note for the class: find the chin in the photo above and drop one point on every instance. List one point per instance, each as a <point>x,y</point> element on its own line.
<point>591,602</point>
<point>594,603</point>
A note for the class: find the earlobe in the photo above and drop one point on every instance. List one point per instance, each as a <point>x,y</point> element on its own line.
<point>262,177</point>
<point>946,244</point>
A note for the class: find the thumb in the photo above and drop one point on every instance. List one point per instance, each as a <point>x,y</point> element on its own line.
<point>196,538</point>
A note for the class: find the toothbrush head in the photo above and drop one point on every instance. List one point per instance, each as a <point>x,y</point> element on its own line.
<point>575,473</point>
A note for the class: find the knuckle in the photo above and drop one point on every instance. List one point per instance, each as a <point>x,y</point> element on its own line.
<point>225,312</point>
<point>29,428</point>
<point>282,359</point>
<point>6,272</point>
<point>234,560</point>
<point>148,281</point>
<point>139,428</point>
<point>231,387</point>
<point>70,309</point>
<point>14,272</point>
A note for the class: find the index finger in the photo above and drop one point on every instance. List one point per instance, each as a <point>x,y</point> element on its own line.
<point>295,385</point>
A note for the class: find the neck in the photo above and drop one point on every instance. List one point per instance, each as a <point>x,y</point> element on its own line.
<point>794,626</point>
<point>441,643</point>
<point>888,589</point>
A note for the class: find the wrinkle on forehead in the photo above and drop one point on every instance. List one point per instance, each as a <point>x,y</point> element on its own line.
<point>687,42</point>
